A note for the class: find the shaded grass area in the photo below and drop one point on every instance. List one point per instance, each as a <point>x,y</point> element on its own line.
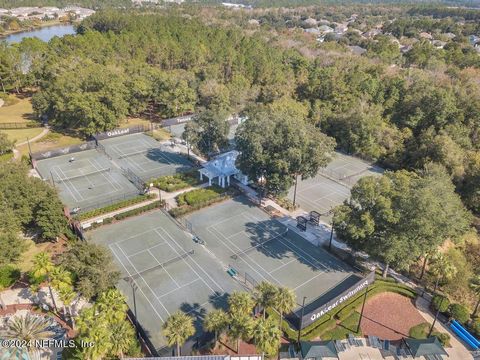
<point>20,135</point>
<point>420,331</point>
<point>53,140</point>
<point>171,183</point>
<point>347,326</point>
<point>26,262</point>
<point>18,110</point>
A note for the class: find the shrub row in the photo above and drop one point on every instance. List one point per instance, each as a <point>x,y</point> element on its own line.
<point>113,207</point>
<point>171,183</point>
<point>8,276</point>
<point>329,320</point>
<point>199,196</point>
<point>154,205</point>
<point>455,311</point>
<point>186,209</point>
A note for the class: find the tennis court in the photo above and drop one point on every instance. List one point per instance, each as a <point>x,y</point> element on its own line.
<point>170,271</point>
<point>88,180</point>
<point>242,236</point>
<point>145,156</point>
<point>332,185</point>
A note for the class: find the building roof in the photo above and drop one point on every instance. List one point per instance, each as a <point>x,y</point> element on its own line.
<point>221,165</point>
<point>318,349</point>
<point>422,347</point>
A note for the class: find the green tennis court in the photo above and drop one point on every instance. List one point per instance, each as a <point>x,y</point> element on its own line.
<point>168,269</point>
<point>145,156</point>
<point>86,179</point>
<point>259,248</point>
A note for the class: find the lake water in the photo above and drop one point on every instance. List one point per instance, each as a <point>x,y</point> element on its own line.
<point>45,33</point>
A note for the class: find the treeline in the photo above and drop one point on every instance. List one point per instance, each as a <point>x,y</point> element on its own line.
<point>29,206</point>
<point>443,12</point>
<point>91,4</point>
<point>166,65</point>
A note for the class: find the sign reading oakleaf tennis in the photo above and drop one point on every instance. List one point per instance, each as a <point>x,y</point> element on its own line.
<point>314,315</point>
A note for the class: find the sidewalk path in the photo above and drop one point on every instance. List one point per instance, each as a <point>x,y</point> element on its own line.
<point>44,132</point>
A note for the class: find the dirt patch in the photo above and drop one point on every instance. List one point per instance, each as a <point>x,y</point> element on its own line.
<point>390,316</point>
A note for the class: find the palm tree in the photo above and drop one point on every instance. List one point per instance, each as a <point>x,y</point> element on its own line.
<point>43,267</point>
<point>123,335</point>
<point>177,329</point>
<point>267,336</point>
<point>442,269</point>
<point>241,327</point>
<point>112,304</point>
<point>241,302</point>
<point>475,287</point>
<point>284,302</point>
<point>28,328</point>
<point>264,295</point>
<point>217,321</point>
<point>67,294</point>
<point>60,280</point>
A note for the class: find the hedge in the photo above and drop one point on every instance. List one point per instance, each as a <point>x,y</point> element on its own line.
<point>329,320</point>
<point>113,207</point>
<point>200,201</point>
<point>154,205</point>
<point>171,183</point>
<point>8,276</point>
<point>199,196</point>
<point>438,300</point>
<point>459,313</point>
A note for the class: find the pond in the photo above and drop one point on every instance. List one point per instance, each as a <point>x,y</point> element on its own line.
<point>45,33</point>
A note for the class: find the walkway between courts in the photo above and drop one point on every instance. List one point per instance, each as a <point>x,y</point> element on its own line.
<point>100,218</point>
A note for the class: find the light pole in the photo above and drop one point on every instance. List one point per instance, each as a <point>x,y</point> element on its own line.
<point>301,320</point>
<point>363,307</point>
<point>295,191</point>
<point>436,316</point>
<point>134,289</point>
<point>331,237</point>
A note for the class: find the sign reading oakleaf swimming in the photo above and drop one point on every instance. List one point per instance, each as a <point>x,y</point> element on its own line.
<point>314,315</point>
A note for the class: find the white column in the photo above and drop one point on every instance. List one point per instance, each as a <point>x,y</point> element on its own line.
<point>228,180</point>
<point>209,182</point>
<point>201,176</point>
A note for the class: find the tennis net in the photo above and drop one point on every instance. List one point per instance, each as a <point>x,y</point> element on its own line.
<point>79,176</point>
<point>138,152</point>
<point>235,256</point>
<point>164,264</point>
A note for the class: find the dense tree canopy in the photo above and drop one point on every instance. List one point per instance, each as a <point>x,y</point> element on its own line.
<point>278,144</point>
<point>402,216</point>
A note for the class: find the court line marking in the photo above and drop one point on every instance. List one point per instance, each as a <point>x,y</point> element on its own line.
<point>287,243</point>
<point>190,257</point>
<point>180,287</point>
<point>141,277</point>
<point>242,259</point>
<point>163,268</point>
<point>138,287</point>
<point>70,183</point>
<point>115,185</point>
<point>52,169</point>
<point>137,235</point>
<point>323,252</point>
<point>141,251</point>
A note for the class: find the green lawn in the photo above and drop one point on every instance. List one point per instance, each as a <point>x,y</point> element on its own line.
<point>341,331</point>
<point>53,140</point>
<point>19,111</point>
<point>171,183</point>
<point>420,331</point>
